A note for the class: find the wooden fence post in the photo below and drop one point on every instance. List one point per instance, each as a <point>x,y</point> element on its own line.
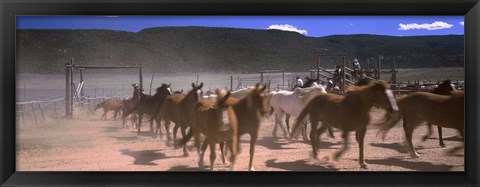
<point>41,111</point>
<point>34,116</point>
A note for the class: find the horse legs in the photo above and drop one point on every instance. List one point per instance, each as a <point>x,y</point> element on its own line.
<point>330,132</point>
<point>287,121</point>
<point>304,131</point>
<point>429,132</point>
<point>408,135</point>
<point>213,155</point>
<point>453,150</point>
<point>345,146</point>
<point>184,134</point>
<point>360,135</point>
<point>253,140</point>
<point>440,138</point>
<point>222,150</point>
<point>139,124</point>
<point>233,156</point>
<point>278,122</point>
<point>201,153</point>
<point>313,135</point>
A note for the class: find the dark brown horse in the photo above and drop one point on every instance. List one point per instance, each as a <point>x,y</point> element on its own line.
<point>150,105</point>
<point>109,105</point>
<point>177,107</point>
<point>350,112</point>
<point>445,88</point>
<point>217,122</point>
<point>128,104</point>
<point>443,110</point>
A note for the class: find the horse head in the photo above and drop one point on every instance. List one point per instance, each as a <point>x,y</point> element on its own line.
<point>445,88</point>
<point>259,99</point>
<point>164,90</point>
<point>195,94</point>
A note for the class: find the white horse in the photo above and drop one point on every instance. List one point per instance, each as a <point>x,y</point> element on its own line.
<point>291,102</point>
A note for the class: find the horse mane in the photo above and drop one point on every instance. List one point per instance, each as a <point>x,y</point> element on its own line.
<point>377,83</point>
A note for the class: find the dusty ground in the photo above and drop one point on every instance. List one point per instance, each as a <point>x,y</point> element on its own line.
<point>88,144</point>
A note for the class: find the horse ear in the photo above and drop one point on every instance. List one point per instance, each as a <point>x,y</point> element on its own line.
<point>256,85</point>
<point>169,84</point>
<point>224,98</point>
<point>193,85</point>
<point>200,86</point>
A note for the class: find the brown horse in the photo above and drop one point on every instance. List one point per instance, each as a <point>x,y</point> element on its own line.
<point>250,111</point>
<point>445,88</point>
<point>150,105</point>
<point>348,113</point>
<point>217,122</point>
<point>128,104</point>
<point>176,108</point>
<point>443,110</point>
<point>109,105</point>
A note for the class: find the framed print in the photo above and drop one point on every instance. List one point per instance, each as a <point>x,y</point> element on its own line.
<point>183,93</point>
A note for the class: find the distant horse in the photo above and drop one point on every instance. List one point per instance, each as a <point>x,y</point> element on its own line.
<point>350,112</point>
<point>109,105</point>
<point>177,107</point>
<point>443,110</point>
<point>309,82</point>
<point>290,103</point>
<point>445,88</point>
<point>150,105</point>
<point>217,122</point>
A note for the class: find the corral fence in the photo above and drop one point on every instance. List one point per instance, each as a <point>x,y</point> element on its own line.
<point>29,113</point>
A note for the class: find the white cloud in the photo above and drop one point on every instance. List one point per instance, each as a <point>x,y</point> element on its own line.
<point>428,26</point>
<point>462,23</point>
<point>287,27</point>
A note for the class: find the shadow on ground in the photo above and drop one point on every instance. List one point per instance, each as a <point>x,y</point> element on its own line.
<point>187,168</point>
<point>417,166</point>
<point>401,148</point>
<point>299,165</point>
<point>145,157</point>
<point>272,143</point>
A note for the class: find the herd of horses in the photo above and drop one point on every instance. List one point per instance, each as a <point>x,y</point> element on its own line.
<point>224,116</point>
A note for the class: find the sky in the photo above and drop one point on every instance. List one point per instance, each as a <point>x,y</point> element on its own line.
<point>312,26</point>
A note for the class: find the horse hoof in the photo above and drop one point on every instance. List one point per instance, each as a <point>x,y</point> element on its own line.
<point>185,154</point>
<point>414,155</point>
<point>424,138</point>
<point>442,145</point>
<point>251,169</point>
<point>363,166</point>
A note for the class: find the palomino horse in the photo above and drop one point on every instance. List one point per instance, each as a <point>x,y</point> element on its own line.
<point>217,122</point>
<point>290,103</point>
<point>109,105</point>
<point>150,105</point>
<point>442,110</point>
<point>177,107</point>
<point>348,113</point>
<point>445,88</point>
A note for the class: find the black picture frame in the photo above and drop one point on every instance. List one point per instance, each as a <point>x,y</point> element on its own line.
<point>11,8</point>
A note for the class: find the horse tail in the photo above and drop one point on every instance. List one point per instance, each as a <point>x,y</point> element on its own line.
<point>390,119</point>
<point>300,119</point>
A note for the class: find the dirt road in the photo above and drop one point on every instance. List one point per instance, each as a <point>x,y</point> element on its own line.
<point>88,144</point>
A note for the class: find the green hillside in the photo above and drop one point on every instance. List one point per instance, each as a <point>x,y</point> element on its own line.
<point>192,49</point>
